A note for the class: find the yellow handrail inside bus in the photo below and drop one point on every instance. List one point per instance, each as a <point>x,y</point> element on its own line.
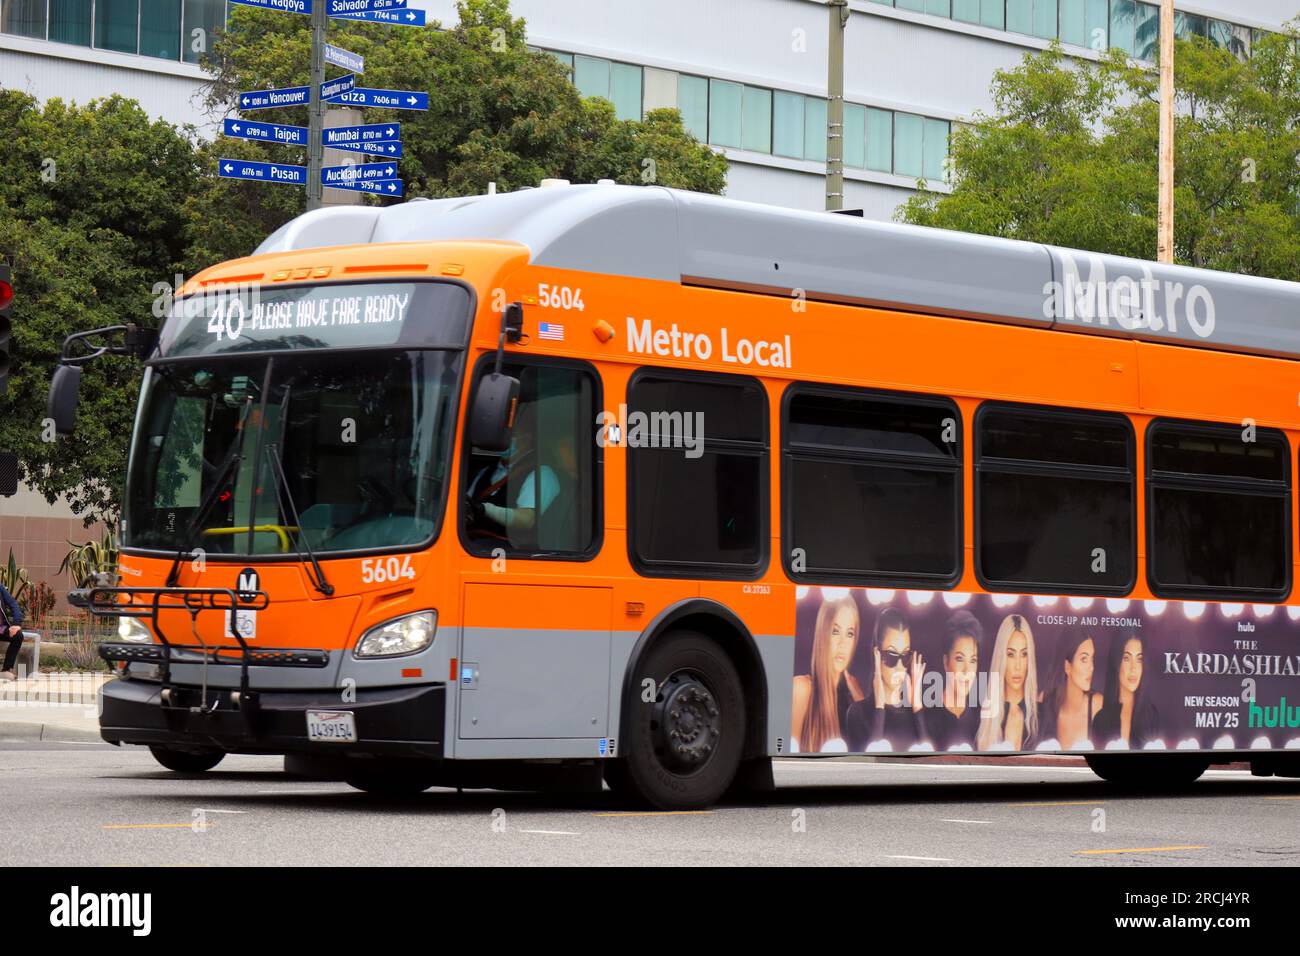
<point>280,530</point>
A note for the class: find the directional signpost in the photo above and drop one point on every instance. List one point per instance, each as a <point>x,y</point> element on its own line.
<point>388,99</point>
<point>381,140</point>
<point>262,172</point>
<point>266,132</point>
<point>403,18</point>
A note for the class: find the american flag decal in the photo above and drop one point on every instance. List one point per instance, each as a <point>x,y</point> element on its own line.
<point>551,330</point>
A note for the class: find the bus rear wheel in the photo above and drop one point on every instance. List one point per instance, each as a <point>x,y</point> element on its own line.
<point>683,747</point>
<point>1148,771</point>
<point>187,761</point>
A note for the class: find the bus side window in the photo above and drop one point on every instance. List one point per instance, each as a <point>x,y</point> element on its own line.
<point>540,495</point>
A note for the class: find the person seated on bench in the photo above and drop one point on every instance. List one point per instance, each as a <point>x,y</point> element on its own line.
<point>11,618</point>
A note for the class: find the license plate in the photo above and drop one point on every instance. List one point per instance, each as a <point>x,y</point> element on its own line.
<point>334,726</point>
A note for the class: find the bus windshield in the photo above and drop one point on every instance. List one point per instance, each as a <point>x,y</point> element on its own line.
<point>363,438</point>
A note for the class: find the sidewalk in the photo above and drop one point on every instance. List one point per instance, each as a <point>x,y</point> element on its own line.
<point>52,706</point>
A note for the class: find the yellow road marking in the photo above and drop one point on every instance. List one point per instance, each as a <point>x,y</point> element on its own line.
<point>147,826</point>
<point>657,813</point>
<point>1080,803</point>
<point>1282,798</point>
<point>1140,849</point>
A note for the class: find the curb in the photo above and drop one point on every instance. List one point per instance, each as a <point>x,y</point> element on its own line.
<point>11,730</point>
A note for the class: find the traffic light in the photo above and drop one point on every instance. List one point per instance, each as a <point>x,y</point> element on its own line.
<point>6,323</point>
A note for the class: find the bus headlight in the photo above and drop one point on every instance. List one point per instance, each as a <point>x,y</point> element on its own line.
<point>130,629</point>
<point>400,636</point>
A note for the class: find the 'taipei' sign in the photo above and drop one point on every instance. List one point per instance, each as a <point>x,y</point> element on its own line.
<point>262,172</point>
<point>269,99</point>
<point>288,6</point>
<point>265,132</point>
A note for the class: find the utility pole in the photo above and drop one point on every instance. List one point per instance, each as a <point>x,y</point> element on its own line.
<point>839,12</point>
<point>1165,239</point>
<point>316,109</point>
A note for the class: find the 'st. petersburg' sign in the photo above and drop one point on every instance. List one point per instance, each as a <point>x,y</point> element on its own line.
<point>269,99</point>
<point>352,62</point>
<point>287,6</point>
<point>265,132</point>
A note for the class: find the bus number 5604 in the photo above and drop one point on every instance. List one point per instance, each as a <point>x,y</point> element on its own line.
<point>379,570</point>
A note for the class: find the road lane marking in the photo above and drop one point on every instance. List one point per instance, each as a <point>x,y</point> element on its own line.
<point>658,813</point>
<point>1141,849</point>
<point>210,810</point>
<point>1077,803</point>
<point>146,826</point>
<point>926,859</point>
<point>552,832</point>
<point>965,821</point>
<point>1282,798</point>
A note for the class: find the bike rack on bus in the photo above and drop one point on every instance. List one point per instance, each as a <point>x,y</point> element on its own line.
<point>142,602</point>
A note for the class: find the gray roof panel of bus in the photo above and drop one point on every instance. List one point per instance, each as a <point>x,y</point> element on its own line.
<point>675,236</point>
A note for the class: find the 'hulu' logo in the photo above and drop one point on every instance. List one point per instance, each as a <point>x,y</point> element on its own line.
<point>1279,716</point>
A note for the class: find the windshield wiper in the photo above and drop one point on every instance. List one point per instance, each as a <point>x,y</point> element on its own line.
<point>317,575</point>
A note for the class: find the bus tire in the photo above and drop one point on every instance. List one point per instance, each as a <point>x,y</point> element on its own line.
<point>187,761</point>
<point>391,781</point>
<point>681,751</point>
<point>1150,772</point>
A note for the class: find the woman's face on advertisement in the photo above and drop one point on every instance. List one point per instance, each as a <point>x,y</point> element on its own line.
<point>962,662</point>
<point>1016,666</point>
<point>1079,668</point>
<point>844,635</point>
<point>1130,665</point>
<point>894,651</point>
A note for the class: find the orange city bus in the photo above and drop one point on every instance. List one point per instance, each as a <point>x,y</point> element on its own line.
<point>622,483</point>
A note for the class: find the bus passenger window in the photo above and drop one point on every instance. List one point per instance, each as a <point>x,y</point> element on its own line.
<point>1219,512</point>
<point>697,456</point>
<point>1054,500</point>
<point>872,487</point>
<point>538,497</point>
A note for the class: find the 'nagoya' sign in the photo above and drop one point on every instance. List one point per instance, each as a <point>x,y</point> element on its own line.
<point>263,172</point>
<point>391,99</point>
<point>267,99</point>
<point>288,6</point>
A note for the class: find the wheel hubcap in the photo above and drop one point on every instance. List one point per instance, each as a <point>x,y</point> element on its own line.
<point>687,722</point>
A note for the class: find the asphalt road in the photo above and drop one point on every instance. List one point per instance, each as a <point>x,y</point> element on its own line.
<point>91,804</point>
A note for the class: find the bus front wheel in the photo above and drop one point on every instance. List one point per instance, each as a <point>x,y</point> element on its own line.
<point>1152,771</point>
<point>685,729</point>
<point>187,761</point>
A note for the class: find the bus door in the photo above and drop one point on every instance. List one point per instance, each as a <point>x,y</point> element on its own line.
<point>535,640</point>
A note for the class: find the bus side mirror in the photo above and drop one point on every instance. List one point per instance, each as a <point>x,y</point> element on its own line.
<point>62,405</point>
<point>492,414</point>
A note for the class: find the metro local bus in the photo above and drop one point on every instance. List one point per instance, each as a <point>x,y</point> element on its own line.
<point>642,485</point>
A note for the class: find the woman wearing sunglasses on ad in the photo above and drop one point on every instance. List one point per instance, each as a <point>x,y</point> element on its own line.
<point>893,715</point>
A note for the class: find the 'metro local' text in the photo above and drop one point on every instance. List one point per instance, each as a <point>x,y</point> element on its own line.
<point>672,342</point>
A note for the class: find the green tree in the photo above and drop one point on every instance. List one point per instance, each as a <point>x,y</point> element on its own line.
<point>91,219</point>
<point>1068,156</point>
<point>498,112</point>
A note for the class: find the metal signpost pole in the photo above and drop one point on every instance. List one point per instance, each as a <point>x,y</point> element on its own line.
<point>316,111</point>
<point>839,11</point>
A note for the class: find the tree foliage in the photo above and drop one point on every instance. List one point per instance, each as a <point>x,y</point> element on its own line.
<point>1069,156</point>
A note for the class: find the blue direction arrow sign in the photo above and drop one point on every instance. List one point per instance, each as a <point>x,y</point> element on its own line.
<point>341,8</point>
<point>340,136</point>
<point>262,172</point>
<point>382,187</point>
<point>333,175</point>
<point>352,62</point>
<point>388,150</point>
<point>268,99</point>
<point>288,6</point>
<point>267,132</point>
<point>332,89</point>
<point>391,99</point>
<point>403,18</point>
